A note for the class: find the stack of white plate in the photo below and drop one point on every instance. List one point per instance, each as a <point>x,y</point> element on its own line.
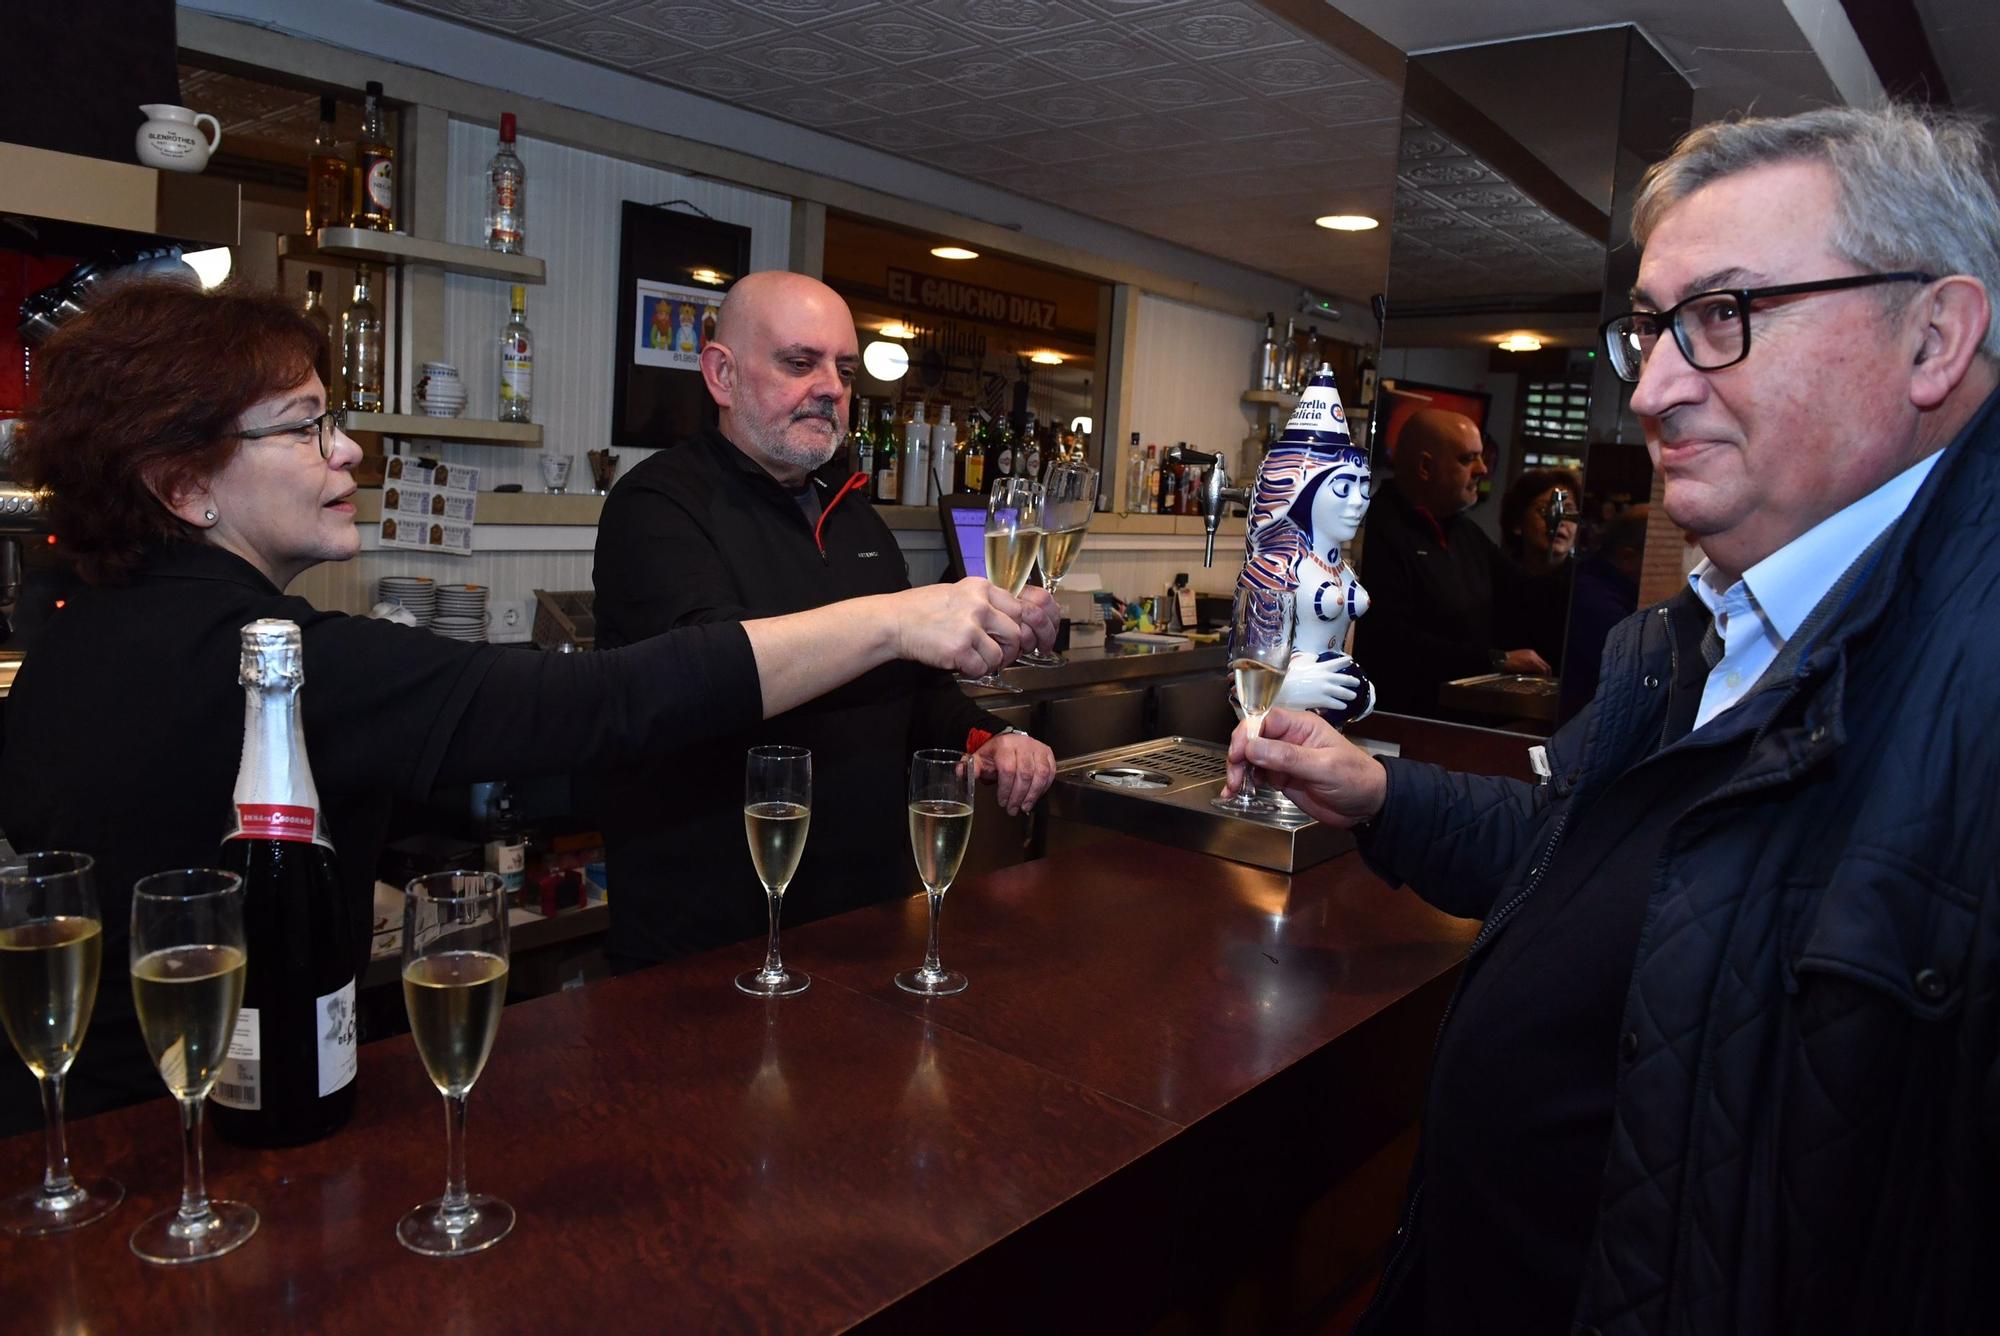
<point>418,593</point>
<point>461,612</point>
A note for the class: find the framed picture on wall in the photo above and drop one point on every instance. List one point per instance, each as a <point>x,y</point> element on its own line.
<point>673,269</point>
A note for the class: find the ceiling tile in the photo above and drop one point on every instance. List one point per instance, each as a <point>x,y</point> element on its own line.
<point>1072,105</point>
<point>1174,90</point>
<point>818,108</point>
<point>613,43</point>
<point>811,11</point>
<point>899,135</point>
<point>706,25</point>
<point>1301,68</point>
<point>904,96</point>
<point>1352,104</point>
<point>969,159</point>
<point>1217,28</point>
<point>999,75</point>
<point>895,38</point>
<point>1138,133</point>
<point>723,76</point>
<point>1009,21</point>
<point>1100,53</point>
<point>509,16</point>
<point>1051,146</point>
<point>1243,120</point>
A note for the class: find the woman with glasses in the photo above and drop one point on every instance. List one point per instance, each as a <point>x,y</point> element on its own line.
<point>194,470</point>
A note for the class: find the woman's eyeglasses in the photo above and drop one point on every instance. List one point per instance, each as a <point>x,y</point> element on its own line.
<point>323,427</point>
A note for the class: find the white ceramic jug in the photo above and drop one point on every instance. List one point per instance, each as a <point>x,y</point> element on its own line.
<point>172,139</point>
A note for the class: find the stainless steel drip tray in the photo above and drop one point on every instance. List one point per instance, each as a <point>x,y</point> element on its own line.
<point>1161,790</point>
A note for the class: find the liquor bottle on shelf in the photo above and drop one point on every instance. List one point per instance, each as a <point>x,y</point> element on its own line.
<point>947,460</point>
<point>862,438</point>
<point>915,484</point>
<point>506,195</point>
<point>374,168</point>
<point>1135,478</point>
<point>1169,498</point>
<point>888,448</point>
<point>1365,401</point>
<point>289,1074</point>
<point>1149,496</point>
<point>316,312</point>
<point>1289,379</point>
<point>1028,455</point>
<point>1000,454</point>
<point>1268,363</point>
<point>517,362</point>
<point>974,479</point>
<point>326,175</point>
<point>361,347</point>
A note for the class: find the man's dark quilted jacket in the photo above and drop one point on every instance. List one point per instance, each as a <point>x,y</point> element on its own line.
<point>1808,1100</point>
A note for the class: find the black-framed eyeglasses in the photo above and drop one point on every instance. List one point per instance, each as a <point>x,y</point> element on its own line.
<point>323,427</point>
<point>1713,328</point>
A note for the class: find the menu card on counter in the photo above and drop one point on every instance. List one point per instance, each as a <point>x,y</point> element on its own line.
<point>429,506</point>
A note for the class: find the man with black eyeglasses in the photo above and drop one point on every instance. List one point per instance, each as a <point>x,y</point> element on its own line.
<point>1725,1057</point>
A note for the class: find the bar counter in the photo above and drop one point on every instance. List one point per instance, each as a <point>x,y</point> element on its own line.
<point>1165,1072</point>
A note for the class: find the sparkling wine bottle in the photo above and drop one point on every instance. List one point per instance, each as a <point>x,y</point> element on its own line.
<point>289,1076</point>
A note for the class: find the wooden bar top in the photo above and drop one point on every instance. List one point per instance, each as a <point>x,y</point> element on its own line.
<point>683,1157</point>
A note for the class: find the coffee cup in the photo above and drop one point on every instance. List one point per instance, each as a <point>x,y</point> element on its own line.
<point>172,138</point>
<point>555,473</point>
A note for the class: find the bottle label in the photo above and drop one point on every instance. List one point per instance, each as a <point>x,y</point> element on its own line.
<point>509,860</point>
<point>380,175</point>
<point>237,1085</point>
<point>1006,465</point>
<point>278,821</point>
<point>975,472</point>
<point>339,1055</point>
<point>517,377</point>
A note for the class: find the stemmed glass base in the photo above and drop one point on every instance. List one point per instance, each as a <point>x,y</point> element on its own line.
<point>1247,802</point>
<point>477,1225</point>
<point>773,983</point>
<point>1035,658</point>
<point>992,682</point>
<point>173,1239</point>
<point>33,1212</point>
<point>931,983</point>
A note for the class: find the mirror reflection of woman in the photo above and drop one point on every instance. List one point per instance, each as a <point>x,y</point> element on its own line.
<point>194,471</point>
<point>1535,609</point>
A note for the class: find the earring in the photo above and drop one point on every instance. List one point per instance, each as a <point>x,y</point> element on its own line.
<point>208,515</point>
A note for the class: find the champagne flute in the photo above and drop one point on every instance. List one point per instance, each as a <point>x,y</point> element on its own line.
<point>51,945</point>
<point>1260,650</point>
<point>454,984</point>
<point>1013,541</point>
<point>1069,495</point>
<point>777,813</point>
<point>940,828</point>
<point>188,959</point>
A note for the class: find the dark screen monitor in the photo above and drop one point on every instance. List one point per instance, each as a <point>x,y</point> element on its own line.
<point>963,518</point>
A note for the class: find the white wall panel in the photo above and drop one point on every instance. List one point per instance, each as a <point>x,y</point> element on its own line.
<point>1190,368</point>
<point>574,206</point>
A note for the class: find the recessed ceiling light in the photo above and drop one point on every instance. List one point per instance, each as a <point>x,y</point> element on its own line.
<point>896,329</point>
<point>1047,359</point>
<point>1348,222</point>
<point>954,253</point>
<point>1520,343</point>
<point>885,360</point>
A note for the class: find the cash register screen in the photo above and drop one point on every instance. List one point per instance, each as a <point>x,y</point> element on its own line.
<point>968,531</point>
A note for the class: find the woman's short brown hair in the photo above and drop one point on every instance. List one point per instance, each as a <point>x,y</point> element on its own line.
<point>139,397</point>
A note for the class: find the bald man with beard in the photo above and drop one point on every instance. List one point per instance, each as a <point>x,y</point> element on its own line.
<point>1434,577</point>
<point>757,516</point>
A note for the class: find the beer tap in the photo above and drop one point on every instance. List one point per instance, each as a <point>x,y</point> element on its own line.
<point>1216,493</point>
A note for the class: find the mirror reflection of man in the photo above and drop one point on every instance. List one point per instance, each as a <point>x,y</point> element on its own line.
<point>1434,577</point>
<point>1726,1054</point>
<point>754,517</point>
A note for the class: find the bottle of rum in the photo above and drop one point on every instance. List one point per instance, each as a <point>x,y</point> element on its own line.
<point>326,175</point>
<point>374,168</point>
<point>361,347</point>
<point>289,1074</point>
<point>517,362</point>
<point>316,312</point>
<point>506,194</point>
